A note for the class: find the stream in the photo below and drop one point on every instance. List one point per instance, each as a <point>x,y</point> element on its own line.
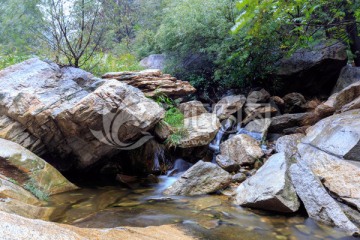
<point>204,217</point>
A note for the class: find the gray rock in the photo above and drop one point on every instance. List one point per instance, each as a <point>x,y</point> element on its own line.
<point>242,148</point>
<point>270,188</point>
<point>227,164</point>
<point>59,107</point>
<point>338,135</point>
<point>259,126</point>
<point>192,109</point>
<point>281,123</point>
<point>318,203</point>
<point>202,178</point>
<point>201,129</point>
<point>239,178</point>
<point>294,103</point>
<point>229,105</point>
<point>312,71</point>
<point>154,61</point>
<point>348,76</point>
<point>261,96</point>
<point>288,144</point>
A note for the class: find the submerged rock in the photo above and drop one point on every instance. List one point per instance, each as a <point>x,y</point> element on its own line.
<point>59,107</point>
<point>202,178</point>
<point>24,167</point>
<point>242,148</point>
<point>201,129</point>
<point>229,105</point>
<point>270,188</point>
<point>153,82</point>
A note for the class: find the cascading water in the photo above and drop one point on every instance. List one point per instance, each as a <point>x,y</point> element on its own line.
<point>215,144</point>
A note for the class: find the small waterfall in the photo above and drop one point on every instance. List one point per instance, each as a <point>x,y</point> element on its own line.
<point>215,144</point>
<point>180,165</point>
<point>255,135</point>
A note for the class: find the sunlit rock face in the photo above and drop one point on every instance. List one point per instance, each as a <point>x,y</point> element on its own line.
<point>56,111</point>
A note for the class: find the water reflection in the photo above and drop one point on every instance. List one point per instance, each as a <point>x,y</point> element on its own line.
<point>207,217</point>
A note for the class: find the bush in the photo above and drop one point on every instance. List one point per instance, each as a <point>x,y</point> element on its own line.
<point>102,63</point>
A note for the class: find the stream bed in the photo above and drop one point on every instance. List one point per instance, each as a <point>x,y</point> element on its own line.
<point>204,217</point>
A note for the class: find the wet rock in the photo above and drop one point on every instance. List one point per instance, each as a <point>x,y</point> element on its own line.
<point>227,164</point>
<point>16,227</point>
<point>270,188</point>
<point>153,61</point>
<point>242,148</point>
<point>288,144</point>
<point>60,107</point>
<point>239,178</point>
<point>281,123</point>
<point>314,71</point>
<point>261,96</point>
<point>202,130</point>
<point>192,109</point>
<point>259,126</point>
<point>202,178</point>
<point>229,105</point>
<point>318,203</point>
<point>153,82</point>
<point>294,103</point>
<point>348,76</point>
<point>25,167</point>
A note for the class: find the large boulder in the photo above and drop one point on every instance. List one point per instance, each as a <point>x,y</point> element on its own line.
<point>242,148</point>
<point>24,167</point>
<point>260,126</point>
<point>153,61</point>
<point>312,71</point>
<point>261,96</point>
<point>229,105</point>
<point>153,82</point>
<point>192,108</point>
<point>202,178</point>
<point>318,203</point>
<point>348,76</point>
<point>270,188</point>
<point>338,135</point>
<point>201,129</point>
<point>63,109</point>
<point>16,227</point>
<point>325,174</point>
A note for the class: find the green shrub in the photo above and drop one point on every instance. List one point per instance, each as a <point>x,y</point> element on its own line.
<point>174,117</point>
<point>102,63</point>
<point>175,139</point>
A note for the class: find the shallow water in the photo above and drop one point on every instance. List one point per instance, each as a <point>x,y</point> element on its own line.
<point>205,217</point>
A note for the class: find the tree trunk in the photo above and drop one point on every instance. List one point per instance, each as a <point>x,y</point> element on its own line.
<point>353,34</point>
